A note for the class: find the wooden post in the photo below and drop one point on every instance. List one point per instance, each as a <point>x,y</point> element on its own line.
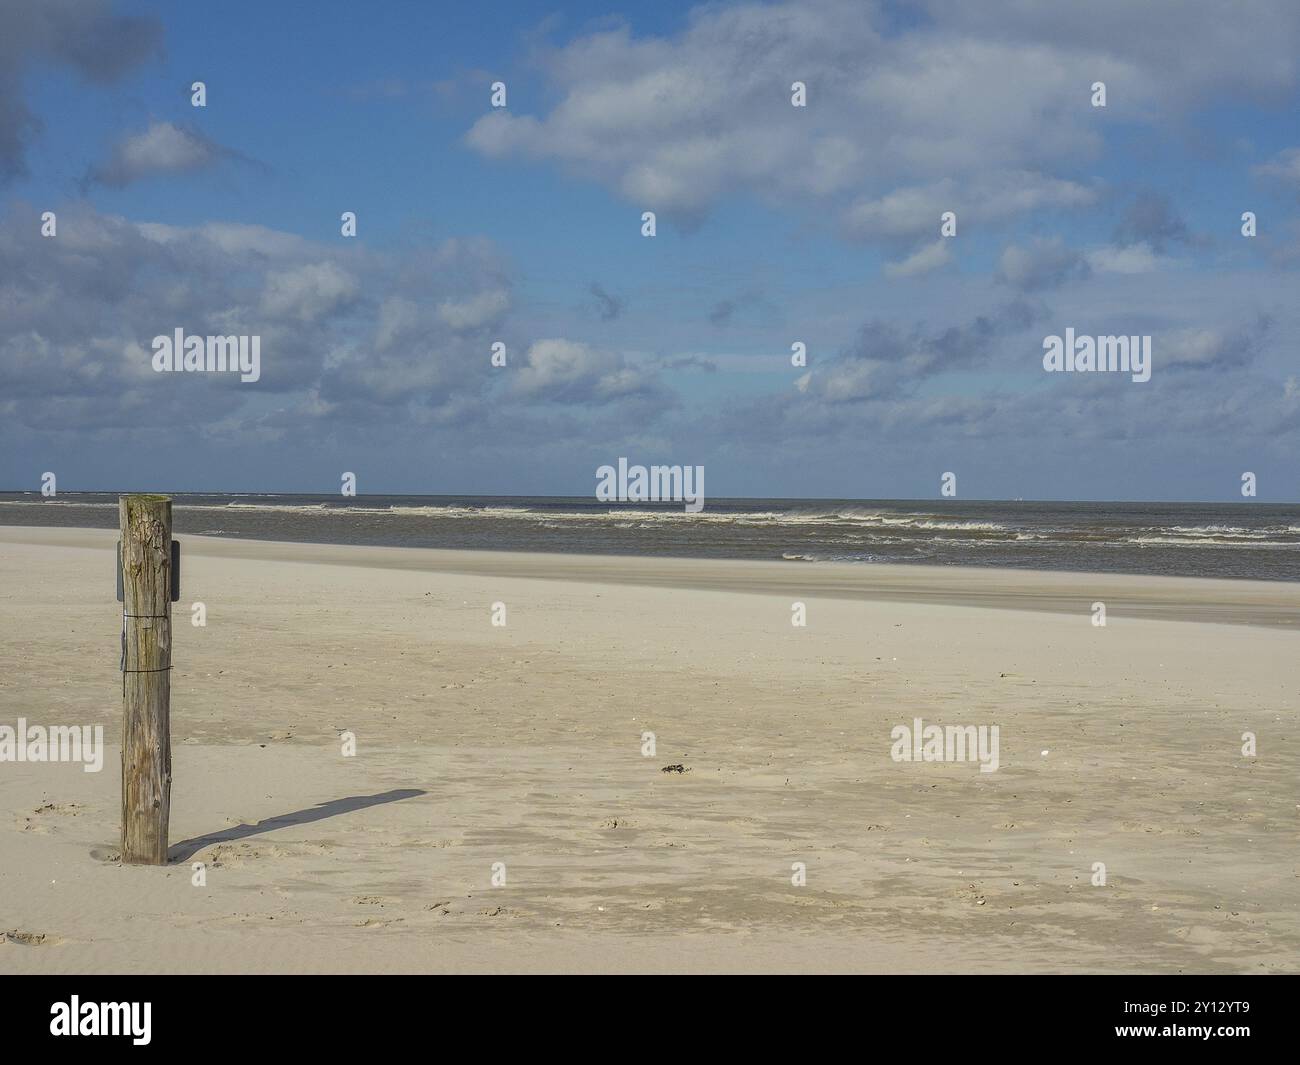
<point>146,527</point>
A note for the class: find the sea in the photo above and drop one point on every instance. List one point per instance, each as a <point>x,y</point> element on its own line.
<point>1243,540</point>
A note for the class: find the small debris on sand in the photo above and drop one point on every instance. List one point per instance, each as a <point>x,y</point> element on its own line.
<point>26,939</point>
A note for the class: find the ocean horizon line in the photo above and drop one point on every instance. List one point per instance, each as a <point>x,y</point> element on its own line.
<point>946,501</point>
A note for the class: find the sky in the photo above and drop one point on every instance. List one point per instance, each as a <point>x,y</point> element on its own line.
<point>775,224</point>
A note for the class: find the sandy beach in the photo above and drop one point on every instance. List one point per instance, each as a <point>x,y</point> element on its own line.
<point>522,744</point>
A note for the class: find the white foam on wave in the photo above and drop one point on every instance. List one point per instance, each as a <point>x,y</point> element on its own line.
<point>1207,541</point>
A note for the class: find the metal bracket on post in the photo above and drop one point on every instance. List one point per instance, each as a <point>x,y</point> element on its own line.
<point>176,570</point>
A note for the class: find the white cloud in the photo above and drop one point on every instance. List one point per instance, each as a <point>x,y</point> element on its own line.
<point>571,371</point>
<point>1133,259</point>
<point>478,310</point>
<point>990,198</point>
<point>1176,50</point>
<point>161,149</point>
<point>1213,346</point>
<point>985,116</point>
<point>346,333</point>
<point>308,292</point>
<point>922,261</point>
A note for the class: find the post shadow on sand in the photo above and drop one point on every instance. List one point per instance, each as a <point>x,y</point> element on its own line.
<point>180,852</point>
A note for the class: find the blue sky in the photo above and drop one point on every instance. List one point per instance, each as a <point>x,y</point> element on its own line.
<point>775,224</point>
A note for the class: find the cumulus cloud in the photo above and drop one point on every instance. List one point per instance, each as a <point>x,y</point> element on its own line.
<point>308,292</point>
<point>903,390</point>
<point>919,113</point>
<point>362,337</point>
<point>922,261</point>
<point>476,311</point>
<point>1214,347</point>
<point>162,149</point>
<point>981,109</point>
<point>989,198</point>
<point>1177,50</point>
<point>566,371</point>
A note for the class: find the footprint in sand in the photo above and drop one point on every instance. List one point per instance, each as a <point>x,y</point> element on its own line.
<point>36,820</point>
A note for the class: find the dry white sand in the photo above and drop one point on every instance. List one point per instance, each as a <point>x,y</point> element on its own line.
<point>522,745</point>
